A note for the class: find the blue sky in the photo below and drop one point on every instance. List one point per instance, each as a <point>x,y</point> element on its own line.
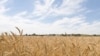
<point>51,16</point>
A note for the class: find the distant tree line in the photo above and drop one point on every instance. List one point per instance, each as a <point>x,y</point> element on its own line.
<point>34,34</point>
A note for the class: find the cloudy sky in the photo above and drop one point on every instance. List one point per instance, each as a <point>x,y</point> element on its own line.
<point>50,16</point>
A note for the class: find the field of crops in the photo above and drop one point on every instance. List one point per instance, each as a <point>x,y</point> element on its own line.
<point>49,46</point>
<point>19,45</point>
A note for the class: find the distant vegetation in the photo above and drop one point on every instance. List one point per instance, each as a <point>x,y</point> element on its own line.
<point>60,34</point>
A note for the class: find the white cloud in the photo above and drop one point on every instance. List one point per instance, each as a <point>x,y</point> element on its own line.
<point>93,28</point>
<point>3,9</point>
<point>42,10</point>
<point>69,25</point>
<point>3,1</point>
<point>72,21</point>
<point>67,7</point>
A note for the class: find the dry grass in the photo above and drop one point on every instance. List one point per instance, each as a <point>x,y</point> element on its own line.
<point>14,45</point>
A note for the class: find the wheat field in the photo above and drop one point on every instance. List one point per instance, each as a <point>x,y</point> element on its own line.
<point>19,45</point>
